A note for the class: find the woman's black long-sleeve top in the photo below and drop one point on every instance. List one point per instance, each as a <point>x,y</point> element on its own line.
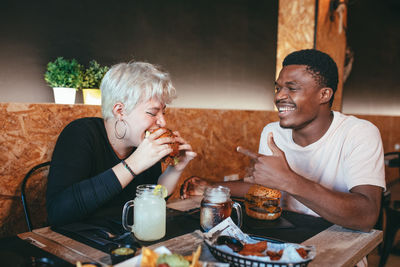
<point>81,183</point>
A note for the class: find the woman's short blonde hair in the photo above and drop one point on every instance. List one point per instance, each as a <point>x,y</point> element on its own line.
<point>134,82</point>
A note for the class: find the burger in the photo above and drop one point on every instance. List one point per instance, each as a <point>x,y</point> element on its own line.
<point>263,203</point>
<point>173,157</point>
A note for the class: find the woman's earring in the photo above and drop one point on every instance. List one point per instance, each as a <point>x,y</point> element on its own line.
<point>117,135</point>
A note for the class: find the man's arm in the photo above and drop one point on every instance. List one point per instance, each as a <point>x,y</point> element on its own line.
<point>358,209</point>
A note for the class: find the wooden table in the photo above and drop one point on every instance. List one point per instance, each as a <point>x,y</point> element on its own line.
<point>335,246</point>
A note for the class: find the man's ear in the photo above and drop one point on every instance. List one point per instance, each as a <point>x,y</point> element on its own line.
<point>118,110</point>
<point>326,94</point>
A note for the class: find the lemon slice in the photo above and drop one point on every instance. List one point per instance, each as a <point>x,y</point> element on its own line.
<point>160,190</point>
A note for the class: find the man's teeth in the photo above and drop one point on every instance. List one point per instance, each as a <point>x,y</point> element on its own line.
<point>285,109</point>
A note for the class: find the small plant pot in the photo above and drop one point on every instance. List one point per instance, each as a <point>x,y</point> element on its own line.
<point>64,95</point>
<point>91,96</point>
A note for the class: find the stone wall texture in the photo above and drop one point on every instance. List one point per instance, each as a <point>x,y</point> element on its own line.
<point>28,133</point>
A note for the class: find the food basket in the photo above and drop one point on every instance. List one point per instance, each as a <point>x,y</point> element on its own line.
<point>290,256</point>
<point>241,261</point>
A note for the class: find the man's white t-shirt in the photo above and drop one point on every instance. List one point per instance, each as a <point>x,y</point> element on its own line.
<point>350,153</point>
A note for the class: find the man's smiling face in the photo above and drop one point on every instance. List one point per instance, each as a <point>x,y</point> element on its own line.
<point>297,97</point>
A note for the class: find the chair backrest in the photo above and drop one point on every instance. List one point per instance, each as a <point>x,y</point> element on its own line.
<point>385,202</point>
<point>23,195</point>
<point>392,216</point>
<point>392,160</point>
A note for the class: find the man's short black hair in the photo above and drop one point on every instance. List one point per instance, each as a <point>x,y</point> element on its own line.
<point>320,65</point>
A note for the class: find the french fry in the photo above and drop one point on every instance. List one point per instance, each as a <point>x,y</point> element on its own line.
<point>196,257</point>
<point>275,256</point>
<point>189,258</point>
<point>302,252</point>
<point>149,258</point>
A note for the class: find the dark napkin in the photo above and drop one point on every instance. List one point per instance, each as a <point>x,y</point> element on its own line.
<point>95,235</point>
<point>252,223</point>
<point>93,232</point>
<point>304,227</point>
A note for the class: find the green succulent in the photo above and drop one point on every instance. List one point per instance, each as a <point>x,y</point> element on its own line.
<point>63,73</point>
<point>93,75</point>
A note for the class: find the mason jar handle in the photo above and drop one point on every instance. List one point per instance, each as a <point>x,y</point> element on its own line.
<point>125,210</point>
<point>239,216</point>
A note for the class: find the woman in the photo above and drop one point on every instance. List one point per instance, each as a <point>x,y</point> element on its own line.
<point>97,163</point>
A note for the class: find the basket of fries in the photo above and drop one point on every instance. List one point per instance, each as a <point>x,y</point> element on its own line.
<point>227,243</point>
<point>265,258</point>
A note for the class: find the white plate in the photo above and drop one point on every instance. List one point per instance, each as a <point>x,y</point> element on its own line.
<point>135,261</point>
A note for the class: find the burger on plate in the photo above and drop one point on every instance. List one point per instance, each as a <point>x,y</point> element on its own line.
<point>263,203</point>
<point>173,157</point>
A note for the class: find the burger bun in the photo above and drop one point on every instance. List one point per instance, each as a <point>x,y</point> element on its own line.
<point>263,214</point>
<point>262,191</point>
<point>263,203</point>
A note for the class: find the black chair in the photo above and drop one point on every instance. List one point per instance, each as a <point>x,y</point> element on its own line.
<point>23,195</point>
<point>391,209</point>
<point>385,201</point>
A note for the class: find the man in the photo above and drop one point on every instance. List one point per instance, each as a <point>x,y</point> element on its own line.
<point>324,162</point>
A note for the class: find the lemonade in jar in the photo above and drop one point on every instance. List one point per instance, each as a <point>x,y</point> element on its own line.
<point>149,216</point>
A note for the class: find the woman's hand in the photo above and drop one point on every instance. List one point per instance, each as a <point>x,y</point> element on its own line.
<point>186,153</point>
<point>150,151</point>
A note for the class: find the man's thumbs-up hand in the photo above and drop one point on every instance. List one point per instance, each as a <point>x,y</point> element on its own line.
<point>272,171</point>
<point>273,147</point>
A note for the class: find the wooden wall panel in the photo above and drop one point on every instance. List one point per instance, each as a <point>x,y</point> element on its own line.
<point>296,23</point>
<point>28,135</point>
<point>389,127</point>
<point>29,132</point>
<point>215,134</point>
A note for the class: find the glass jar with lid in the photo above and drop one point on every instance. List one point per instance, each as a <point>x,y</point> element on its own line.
<point>149,216</point>
<point>216,206</point>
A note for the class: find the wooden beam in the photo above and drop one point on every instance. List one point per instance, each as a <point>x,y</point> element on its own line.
<point>305,24</point>
<point>296,27</point>
<point>331,39</point>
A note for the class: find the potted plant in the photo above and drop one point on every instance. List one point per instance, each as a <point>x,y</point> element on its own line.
<point>64,76</point>
<point>90,83</point>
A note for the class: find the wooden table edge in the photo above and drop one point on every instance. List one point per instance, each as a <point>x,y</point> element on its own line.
<point>42,238</point>
<point>328,255</point>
